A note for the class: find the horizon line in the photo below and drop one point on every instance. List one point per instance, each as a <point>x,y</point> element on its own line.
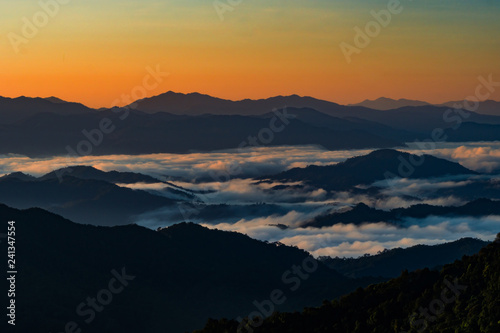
<point>249,99</point>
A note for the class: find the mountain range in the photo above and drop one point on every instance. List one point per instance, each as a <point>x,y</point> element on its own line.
<point>361,213</point>
<point>365,170</point>
<point>87,195</point>
<point>488,107</point>
<point>179,276</point>
<point>191,274</point>
<point>461,297</point>
<point>180,123</point>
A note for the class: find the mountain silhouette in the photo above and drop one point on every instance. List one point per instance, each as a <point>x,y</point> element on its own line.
<point>384,103</point>
<point>361,213</point>
<point>391,263</point>
<point>466,292</point>
<point>488,107</point>
<point>88,172</point>
<point>365,170</point>
<point>181,123</point>
<point>49,134</point>
<point>183,274</point>
<point>19,176</point>
<point>418,116</point>
<point>16,109</point>
<point>83,200</point>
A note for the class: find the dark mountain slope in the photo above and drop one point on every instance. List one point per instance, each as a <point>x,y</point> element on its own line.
<point>83,200</point>
<point>391,263</point>
<point>421,118</point>
<point>471,131</point>
<point>183,275</point>
<point>462,297</point>
<point>320,119</point>
<point>140,133</point>
<point>488,107</point>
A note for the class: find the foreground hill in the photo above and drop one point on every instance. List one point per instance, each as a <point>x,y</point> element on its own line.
<point>365,170</point>
<point>183,275</point>
<point>462,297</point>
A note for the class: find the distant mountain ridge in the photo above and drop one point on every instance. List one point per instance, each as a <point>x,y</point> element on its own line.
<point>384,103</point>
<point>181,123</point>
<point>361,213</point>
<point>16,109</point>
<point>198,104</point>
<point>88,172</point>
<point>48,134</point>
<point>365,170</point>
<point>488,107</point>
<point>88,195</point>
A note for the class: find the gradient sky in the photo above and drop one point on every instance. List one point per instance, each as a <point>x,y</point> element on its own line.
<point>93,51</point>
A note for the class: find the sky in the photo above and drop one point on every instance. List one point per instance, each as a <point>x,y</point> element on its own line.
<point>95,52</point>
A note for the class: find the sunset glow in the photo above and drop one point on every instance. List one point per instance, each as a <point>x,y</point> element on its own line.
<point>95,51</point>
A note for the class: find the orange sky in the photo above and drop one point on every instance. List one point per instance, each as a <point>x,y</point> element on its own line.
<point>94,53</point>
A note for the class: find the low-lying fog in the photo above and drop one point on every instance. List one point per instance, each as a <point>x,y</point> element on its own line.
<point>226,177</point>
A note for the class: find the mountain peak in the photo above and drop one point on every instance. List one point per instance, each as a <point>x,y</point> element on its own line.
<point>74,171</point>
<point>18,175</point>
<point>55,100</point>
<point>385,103</point>
<point>368,169</point>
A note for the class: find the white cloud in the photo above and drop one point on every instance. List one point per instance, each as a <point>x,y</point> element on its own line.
<point>349,240</point>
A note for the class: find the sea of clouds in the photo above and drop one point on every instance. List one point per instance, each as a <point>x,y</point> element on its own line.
<point>207,173</point>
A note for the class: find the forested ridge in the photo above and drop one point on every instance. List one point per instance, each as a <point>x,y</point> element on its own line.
<point>462,297</point>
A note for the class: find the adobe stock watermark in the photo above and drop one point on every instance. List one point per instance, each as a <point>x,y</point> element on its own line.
<point>32,26</point>
<point>462,111</point>
<point>263,137</point>
<point>449,294</point>
<point>223,6</point>
<point>89,309</point>
<point>292,279</point>
<point>95,137</point>
<point>372,29</point>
